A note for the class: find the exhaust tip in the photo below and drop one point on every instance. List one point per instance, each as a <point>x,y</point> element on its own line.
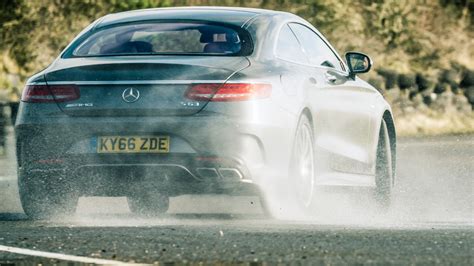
<point>230,174</point>
<point>207,172</point>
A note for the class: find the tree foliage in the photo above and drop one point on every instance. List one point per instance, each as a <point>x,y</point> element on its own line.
<point>408,35</point>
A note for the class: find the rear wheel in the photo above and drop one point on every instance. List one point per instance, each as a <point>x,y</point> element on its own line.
<point>383,170</point>
<point>302,169</point>
<point>149,204</point>
<point>41,198</point>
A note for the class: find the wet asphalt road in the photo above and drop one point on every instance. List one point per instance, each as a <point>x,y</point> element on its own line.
<point>431,222</point>
<point>223,241</point>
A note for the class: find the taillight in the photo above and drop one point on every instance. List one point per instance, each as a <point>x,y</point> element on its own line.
<point>48,94</point>
<point>229,92</point>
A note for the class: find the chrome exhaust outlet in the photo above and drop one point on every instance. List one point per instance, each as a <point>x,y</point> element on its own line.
<point>207,173</point>
<point>230,174</point>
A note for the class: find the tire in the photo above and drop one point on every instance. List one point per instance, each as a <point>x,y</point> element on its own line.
<point>302,167</point>
<point>383,170</point>
<point>41,199</point>
<point>149,204</point>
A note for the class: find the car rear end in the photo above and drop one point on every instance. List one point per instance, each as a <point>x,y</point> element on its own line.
<point>114,120</point>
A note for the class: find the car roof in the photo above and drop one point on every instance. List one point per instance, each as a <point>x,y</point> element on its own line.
<point>231,15</point>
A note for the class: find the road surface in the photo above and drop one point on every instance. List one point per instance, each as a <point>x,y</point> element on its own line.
<point>431,222</point>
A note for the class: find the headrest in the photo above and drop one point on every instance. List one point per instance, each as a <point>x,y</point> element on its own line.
<point>206,37</point>
<point>232,37</point>
<point>209,37</point>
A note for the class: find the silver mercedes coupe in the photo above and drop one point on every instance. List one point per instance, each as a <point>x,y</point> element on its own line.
<point>151,104</point>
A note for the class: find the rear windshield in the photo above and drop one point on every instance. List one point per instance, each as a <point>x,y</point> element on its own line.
<point>162,38</point>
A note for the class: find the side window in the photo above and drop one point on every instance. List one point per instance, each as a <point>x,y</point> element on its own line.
<point>288,47</point>
<point>317,51</point>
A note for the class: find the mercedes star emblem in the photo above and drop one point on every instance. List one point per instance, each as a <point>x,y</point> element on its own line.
<point>130,95</point>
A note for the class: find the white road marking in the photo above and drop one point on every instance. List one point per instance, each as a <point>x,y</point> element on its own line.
<point>64,257</point>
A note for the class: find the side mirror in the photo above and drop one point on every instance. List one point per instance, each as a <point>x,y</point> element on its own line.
<point>358,63</point>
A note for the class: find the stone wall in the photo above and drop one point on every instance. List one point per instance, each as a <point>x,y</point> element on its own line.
<point>424,104</point>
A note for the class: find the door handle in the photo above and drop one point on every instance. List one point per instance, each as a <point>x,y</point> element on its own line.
<point>331,78</point>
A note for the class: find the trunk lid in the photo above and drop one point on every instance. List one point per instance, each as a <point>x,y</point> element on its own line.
<point>139,86</point>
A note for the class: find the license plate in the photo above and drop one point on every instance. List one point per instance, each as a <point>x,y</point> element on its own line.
<point>133,144</point>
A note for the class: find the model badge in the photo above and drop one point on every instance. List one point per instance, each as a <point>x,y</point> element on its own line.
<point>130,95</point>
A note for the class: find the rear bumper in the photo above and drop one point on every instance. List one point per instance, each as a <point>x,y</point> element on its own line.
<point>135,179</point>
<point>207,155</point>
